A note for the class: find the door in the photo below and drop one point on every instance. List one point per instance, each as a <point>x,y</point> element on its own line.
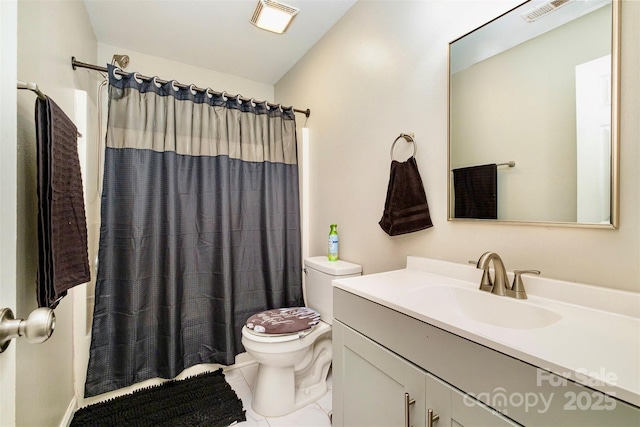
<point>468,412</point>
<point>593,134</point>
<point>376,387</point>
<point>450,407</point>
<point>8,114</point>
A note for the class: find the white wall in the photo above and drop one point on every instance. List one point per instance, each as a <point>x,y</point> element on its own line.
<point>165,69</point>
<point>49,33</point>
<point>382,70</point>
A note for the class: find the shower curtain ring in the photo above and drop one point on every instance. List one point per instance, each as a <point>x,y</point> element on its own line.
<point>173,86</point>
<point>116,75</point>
<point>238,100</point>
<point>224,95</point>
<point>192,90</point>
<point>155,82</point>
<point>137,78</point>
<point>253,104</point>
<point>267,106</point>
<point>207,91</point>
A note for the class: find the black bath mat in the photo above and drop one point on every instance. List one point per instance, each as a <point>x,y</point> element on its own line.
<point>203,400</point>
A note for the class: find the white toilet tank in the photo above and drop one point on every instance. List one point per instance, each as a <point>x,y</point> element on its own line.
<point>318,290</point>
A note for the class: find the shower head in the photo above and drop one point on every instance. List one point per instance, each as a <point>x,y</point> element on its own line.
<point>121,60</point>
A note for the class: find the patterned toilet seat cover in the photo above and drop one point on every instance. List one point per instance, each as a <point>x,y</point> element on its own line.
<point>283,320</point>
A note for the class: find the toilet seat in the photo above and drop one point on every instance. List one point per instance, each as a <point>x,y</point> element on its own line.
<point>278,337</point>
<point>257,337</point>
<point>283,321</point>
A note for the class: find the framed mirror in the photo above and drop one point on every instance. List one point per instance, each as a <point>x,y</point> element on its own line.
<point>533,116</point>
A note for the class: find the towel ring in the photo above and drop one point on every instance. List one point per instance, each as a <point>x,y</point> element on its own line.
<point>408,138</point>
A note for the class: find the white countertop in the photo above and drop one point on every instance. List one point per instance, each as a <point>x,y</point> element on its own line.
<point>594,341</point>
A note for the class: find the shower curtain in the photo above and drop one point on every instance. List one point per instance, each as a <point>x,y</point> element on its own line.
<point>200,229</point>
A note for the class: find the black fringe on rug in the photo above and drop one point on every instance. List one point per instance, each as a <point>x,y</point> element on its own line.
<point>202,400</point>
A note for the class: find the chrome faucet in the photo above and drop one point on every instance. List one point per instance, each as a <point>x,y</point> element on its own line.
<point>499,285</point>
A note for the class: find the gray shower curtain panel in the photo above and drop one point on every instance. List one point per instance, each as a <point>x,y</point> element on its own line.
<point>200,229</point>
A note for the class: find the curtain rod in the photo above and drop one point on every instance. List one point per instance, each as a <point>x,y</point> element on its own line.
<point>75,64</point>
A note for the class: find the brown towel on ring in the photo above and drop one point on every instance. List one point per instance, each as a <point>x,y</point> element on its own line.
<point>406,209</point>
<point>63,261</point>
<point>476,192</point>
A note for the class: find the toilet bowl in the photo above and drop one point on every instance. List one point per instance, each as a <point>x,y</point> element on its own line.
<point>293,363</point>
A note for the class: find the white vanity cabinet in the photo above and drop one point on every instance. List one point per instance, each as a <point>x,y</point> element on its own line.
<point>379,354</point>
<point>375,387</point>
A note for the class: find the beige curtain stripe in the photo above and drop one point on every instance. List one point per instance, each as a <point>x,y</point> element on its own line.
<point>164,123</point>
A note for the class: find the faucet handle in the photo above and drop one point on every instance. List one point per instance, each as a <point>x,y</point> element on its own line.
<point>518,286</point>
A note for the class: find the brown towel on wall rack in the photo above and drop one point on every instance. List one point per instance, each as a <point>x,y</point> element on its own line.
<point>63,261</point>
<point>405,209</point>
<point>476,192</point>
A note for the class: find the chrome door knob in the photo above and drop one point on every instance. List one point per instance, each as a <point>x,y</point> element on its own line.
<point>37,328</point>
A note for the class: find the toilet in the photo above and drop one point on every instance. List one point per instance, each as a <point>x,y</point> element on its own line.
<point>293,345</point>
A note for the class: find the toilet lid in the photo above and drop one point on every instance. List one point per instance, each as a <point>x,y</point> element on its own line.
<point>283,320</point>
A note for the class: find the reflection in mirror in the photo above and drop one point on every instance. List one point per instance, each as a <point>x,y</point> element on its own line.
<point>538,87</point>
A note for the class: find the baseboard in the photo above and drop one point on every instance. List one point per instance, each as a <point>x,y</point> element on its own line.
<point>68,415</point>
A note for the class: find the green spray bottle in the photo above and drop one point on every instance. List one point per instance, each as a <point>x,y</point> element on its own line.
<point>333,243</point>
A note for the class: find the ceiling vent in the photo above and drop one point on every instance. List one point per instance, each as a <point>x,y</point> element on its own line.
<point>543,10</point>
<point>273,16</point>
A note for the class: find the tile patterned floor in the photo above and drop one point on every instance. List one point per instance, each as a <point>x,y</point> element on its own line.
<point>313,415</point>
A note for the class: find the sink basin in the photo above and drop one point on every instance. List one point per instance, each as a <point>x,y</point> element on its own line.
<point>491,309</point>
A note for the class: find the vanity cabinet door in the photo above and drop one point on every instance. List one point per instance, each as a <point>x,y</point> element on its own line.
<point>468,412</point>
<point>456,409</point>
<point>370,383</point>
<point>438,400</point>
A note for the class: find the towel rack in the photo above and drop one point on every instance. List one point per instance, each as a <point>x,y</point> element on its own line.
<point>35,89</point>
<point>510,163</point>
<point>32,87</point>
<point>409,137</point>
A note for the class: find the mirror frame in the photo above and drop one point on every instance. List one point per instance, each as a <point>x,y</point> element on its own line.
<point>615,135</point>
